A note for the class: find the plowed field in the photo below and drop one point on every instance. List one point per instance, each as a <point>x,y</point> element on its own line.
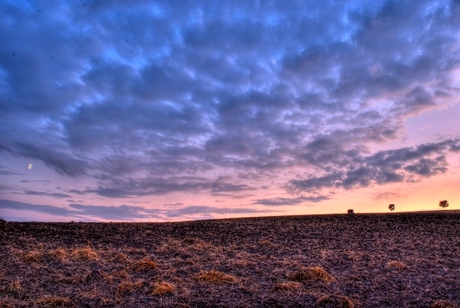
<point>361,260</point>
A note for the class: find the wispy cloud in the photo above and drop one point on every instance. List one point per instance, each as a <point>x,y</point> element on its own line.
<point>39,193</point>
<point>290,201</point>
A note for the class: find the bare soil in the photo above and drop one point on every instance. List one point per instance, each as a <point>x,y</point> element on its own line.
<point>360,260</point>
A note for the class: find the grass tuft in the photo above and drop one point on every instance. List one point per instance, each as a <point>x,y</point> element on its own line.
<point>288,286</point>
<point>33,256</point>
<point>215,277</point>
<point>58,254</point>
<point>14,287</point>
<point>144,265</point>
<point>85,254</point>
<point>163,288</point>
<point>311,274</point>
<point>334,301</point>
<point>128,287</point>
<point>120,257</point>
<point>440,303</point>
<point>53,301</point>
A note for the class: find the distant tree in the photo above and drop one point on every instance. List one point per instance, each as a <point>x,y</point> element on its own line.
<point>443,203</point>
<point>391,207</point>
<point>351,212</point>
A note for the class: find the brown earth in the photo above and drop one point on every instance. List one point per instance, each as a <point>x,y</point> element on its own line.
<point>361,260</point>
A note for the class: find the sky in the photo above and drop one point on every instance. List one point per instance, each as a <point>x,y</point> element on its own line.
<point>187,110</point>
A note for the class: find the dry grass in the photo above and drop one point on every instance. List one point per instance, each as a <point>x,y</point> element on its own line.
<point>144,265</point>
<point>94,294</point>
<point>135,251</point>
<point>288,286</point>
<point>58,254</point>
<point>128,287</point>
<point>122,275</point>
<point>215,277</point>
<point>396,264</point>
<point>15,286</point>
<point>195,244</point>
<point>84,254</point>
<point>96,276</point>
<point>163,288</point>
<point>311,274</point>
<point>334,301</point>
<point>257,262</point>
<point>443,304</point>
<point>190,240</point>
<point>53,301</point>
<point>33,256</point>
<point>4,304</point>
<point>120,257</point>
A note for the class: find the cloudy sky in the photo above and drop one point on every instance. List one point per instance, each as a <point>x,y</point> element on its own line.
<point>182,110</point>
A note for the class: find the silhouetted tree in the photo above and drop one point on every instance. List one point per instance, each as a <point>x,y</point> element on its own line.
<point>391,207</point>
<point>351,212</point>
<point>443,203</point>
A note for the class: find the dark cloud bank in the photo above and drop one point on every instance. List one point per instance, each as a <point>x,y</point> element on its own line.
<point>406,164</point>
<point>149,98</point>
<point>86,212</point>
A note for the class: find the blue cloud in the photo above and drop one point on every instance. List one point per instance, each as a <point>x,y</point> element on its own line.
<point>137,98</point>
